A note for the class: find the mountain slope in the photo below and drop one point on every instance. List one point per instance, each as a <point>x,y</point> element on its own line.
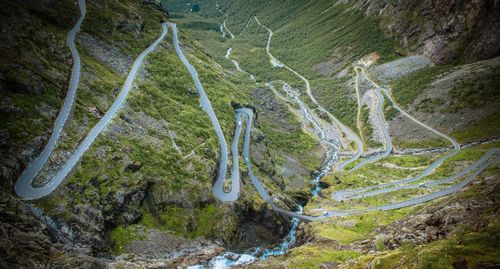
<point>421,89</point>
<point>141,196</point>
<point>151,170</point>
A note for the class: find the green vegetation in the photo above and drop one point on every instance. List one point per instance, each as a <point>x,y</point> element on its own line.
<point>407,88</point>
<point>163,110</point>
<point>176,106</point>
<point>464,157</point>
<point>390,169</point>
<point>343,25</point>
<point>175,223</point>
<point>249,51</point>
<point>121,236</point>
<point>32,75</point>
<point>301,42</point>
<point>182,222</point>
<point>374,173</point>
<point>304,37</point>
<point>162,127</point>
<point>289,142</point>
<point>367,129</point>
<point>476,92</point>
<point>290,45</point>
<point>28,122</point>
<point>476,86</point>
<point>476,247</point>
<point>337,98</point>
<point>167,84</point>
<point>98,92</point>
<point>350,229</point>
<point>389,111</point>
<point>484,128</point>
<point>476,244</point>
<point>311,256</point>
<point>116,23</point>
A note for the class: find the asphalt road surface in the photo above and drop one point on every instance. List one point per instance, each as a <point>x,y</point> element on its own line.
<point>23,185</point>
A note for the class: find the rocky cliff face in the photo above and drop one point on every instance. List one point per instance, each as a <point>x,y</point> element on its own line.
<point>444,30</point>
<point>28,240</point>
<point>150,175</point>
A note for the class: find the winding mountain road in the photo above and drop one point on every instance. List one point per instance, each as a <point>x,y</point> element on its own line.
<point>229,50</point>
<point>235,63</point>
<point>27,191</point>
<point>346,130</point>
<point>23,185</point>
<point>387,187</point>
<point>383,125</point>
<point>358,101</point>
<point>218,188</point>
<point>342,195</point>
<point>223,25</point>
<point>469,172</point>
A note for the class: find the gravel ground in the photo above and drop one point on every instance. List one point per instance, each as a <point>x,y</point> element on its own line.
<point>440,116</point>
<point>396,69</point>
<point>107,54</point>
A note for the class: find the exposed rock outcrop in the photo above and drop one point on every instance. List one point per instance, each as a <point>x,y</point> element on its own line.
<point>28,241</point>
<point>444,30</point>
<point>107,54</point>
<point>442,220</point>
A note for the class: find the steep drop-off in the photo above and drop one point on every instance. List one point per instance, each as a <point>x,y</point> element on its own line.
<point>147,178</point>
<point>141,196</point>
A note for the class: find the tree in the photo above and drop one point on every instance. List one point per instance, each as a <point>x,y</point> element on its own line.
<point>195,8</point>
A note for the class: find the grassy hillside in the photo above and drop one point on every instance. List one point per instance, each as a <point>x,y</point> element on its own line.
<point>305,36</point>
<point>154,165</point>
<point>432,235</point>
<point>321,40</point>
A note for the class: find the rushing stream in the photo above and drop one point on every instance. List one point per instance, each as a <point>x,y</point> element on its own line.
<point>334,150</point>
<point>230,259</point>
